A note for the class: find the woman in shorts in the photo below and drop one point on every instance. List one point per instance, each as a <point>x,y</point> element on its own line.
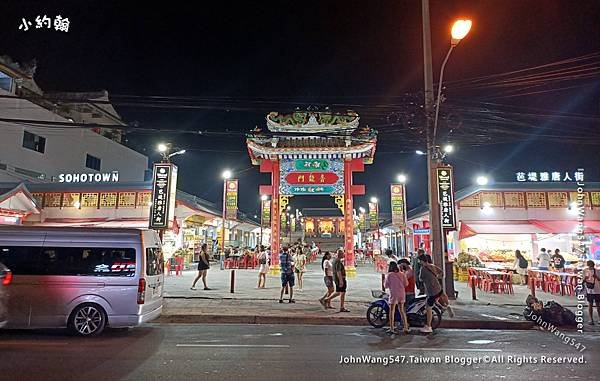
<point>327,267</point>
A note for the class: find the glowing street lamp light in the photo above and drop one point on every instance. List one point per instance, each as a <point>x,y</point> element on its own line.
<point>226,174</point>
<point>402,178</point>
<point>162,147</point>
<point>448,148</point>
<point>460,29</point>
<point>419,152</point>
<point>374,200</point>
<point>482,180</point>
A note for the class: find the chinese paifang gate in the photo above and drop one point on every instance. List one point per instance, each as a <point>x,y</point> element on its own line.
<point>312,153</point>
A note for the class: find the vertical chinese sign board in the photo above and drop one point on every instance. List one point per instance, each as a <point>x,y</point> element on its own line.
<point>373,217</point>
<point>265,216</point>
<point>164,188</point>
<point>231,199</point>
<point>446,197</point>
<point>397,194</point>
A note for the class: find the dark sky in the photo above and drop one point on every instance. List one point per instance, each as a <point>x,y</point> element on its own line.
<point>293,53</point>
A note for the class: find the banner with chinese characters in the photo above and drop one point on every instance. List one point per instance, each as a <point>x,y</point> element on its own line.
<point>164,186</point>
<point>362,217</point>
<point>311,176</point>
<point>231,199</point>
<point>552,176</point>
<point>373,216</point>
<point>265,216</point>
<point>446,197</point>
<point>397,201</point>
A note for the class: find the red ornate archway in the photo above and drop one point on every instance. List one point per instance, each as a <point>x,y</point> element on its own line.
<point>312,153</point>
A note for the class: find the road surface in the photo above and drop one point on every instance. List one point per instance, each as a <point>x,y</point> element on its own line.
<point>290,352</point>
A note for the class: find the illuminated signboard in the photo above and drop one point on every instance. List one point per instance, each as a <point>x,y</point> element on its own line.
<point>311,176</point>
<point>231,199</point>
<point>397,201</point>
<point>164,185</point>
<point>446,197</point>
<point>111,177</point>
<point>552,176</point>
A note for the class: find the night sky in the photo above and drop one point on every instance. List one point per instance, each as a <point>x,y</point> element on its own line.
<point>243,59</point>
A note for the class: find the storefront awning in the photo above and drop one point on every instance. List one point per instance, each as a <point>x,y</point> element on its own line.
<point>566,227</point>
<point>469,229</point>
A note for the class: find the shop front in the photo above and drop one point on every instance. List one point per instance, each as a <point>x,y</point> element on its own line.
<point>121,204</point>
<point>496,220</point>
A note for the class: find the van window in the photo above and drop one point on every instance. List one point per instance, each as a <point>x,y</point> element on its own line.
<point>154,261</point>
<point>82,261</point>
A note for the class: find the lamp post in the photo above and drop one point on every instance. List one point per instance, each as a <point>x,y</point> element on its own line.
<point>226,175</point>
<point>459,31</point>
<point>402,180</point>
<point>164,148</point>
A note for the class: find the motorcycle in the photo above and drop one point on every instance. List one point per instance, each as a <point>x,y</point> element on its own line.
<point>416,311</point>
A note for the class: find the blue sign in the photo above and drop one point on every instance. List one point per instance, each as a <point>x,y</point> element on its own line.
<point>311,189</point>
<point>421,231</point>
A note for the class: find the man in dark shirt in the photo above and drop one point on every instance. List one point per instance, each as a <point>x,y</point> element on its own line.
<point>558,260</point>
<point>287,273</point>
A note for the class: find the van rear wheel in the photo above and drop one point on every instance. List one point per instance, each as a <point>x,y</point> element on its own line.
<point>88,319</point>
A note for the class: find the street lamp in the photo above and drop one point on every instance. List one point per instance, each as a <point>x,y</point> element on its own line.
<point>402,178</point>
<point>419,152</point>
<point>448,148</point>
<point>482,180</point>
<point>226,175</point>
<point>180,152</point>
<point>459,30</point>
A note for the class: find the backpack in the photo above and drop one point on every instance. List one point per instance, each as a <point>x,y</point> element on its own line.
<point>523,262</point>
<point>263,259</point>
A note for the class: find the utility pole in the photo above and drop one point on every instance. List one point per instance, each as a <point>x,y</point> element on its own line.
<point>435,234</point>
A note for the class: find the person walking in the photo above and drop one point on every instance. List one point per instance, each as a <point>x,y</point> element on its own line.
<point>591,279</point>
<point>521,265</point>
<point>543,260</point>
<point>286,264</point>
<point>327,267</point>
<point>558,261</point>
<point>203,266</point>
<point>339,278</point>
<point>396,282</point>
<point>300,265</point>
<point>263,266</point>
<point>404,265</point>
<point>429,276</point>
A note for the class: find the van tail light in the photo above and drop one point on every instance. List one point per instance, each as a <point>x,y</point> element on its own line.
<point>141,298</point>
<point>7,278</point>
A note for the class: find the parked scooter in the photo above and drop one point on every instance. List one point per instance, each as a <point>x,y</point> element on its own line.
<point>416,311</point>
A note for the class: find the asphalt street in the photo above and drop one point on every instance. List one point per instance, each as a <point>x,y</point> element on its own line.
<point>291,352</point>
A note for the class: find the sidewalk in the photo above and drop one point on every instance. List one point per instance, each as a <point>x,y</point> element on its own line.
<point>250,305</point>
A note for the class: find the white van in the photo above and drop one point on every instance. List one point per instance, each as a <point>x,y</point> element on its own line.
<point>82,278</point>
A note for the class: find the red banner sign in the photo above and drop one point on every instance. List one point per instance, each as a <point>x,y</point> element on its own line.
<point>303,178</point>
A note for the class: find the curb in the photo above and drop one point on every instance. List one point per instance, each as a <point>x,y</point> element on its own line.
<point>320,320</point>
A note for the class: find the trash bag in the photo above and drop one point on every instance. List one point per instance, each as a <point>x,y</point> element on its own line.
<point>553,313</point>
<point>568,317</point>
